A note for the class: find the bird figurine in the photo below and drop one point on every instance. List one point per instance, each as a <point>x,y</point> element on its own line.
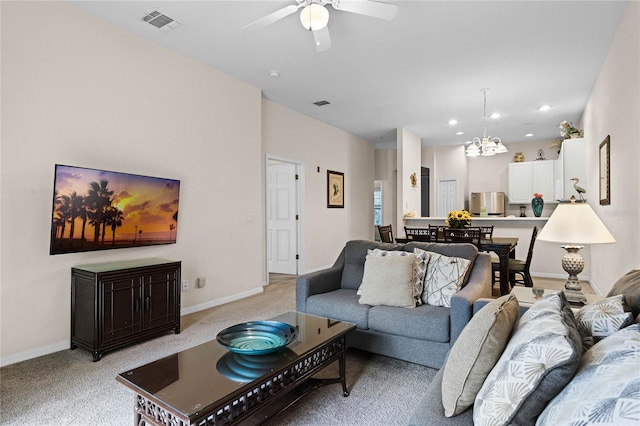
<point>580,190</point>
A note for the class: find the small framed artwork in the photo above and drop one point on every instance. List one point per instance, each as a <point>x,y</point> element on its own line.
<point>335,189</point>
<point>605,172</point>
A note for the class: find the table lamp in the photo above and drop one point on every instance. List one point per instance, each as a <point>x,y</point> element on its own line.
<point>574,223</point>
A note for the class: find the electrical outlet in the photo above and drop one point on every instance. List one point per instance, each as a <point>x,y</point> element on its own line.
<point>185,285</point>
<point>201,282</point>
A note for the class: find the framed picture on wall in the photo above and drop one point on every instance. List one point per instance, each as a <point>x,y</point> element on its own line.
<point>335,189</point>
<point>605,173</point>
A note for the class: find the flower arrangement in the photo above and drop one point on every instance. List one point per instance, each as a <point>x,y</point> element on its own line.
<point>537,195</point>
<point>567,130</point>
<point>458,219</point>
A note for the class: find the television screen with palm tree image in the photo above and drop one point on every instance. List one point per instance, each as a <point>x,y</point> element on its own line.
<point>99,210</point>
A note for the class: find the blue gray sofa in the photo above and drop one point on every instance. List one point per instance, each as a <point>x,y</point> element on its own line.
<point>422,335</point>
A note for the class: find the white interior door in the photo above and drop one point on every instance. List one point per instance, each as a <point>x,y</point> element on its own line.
<point>447,196</point>
<point>281,218</point>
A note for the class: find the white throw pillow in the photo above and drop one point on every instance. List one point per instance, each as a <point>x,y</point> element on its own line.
<point>419,269</point>
<point>388,280</point>
<point>601,319</point>
<point>605,390</point>
<point>445,276</point>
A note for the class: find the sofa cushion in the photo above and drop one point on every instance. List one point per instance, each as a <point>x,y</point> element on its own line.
<point>388,280</point>
<point>355,253</point>
<point>601,319</point>
<point>539,360</point>
<point>476,352</point>
<point>606,388</point>
<point>629,285</point>
<point>340,304</point>
<point>419,268</point>
<point>445,276</point>
<point>425,322</point>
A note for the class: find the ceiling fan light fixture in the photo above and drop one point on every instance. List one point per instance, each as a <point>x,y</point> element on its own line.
<point>314,17</point>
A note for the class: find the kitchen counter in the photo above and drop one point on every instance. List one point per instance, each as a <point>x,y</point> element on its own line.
<point>420,222</point>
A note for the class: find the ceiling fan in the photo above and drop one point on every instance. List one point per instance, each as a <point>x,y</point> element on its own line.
<point>315,16</point>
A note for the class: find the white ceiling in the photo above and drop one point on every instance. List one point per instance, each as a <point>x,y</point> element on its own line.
<point>417,71</point>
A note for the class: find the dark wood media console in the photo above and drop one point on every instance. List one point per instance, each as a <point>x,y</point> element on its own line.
<point>117,304</point>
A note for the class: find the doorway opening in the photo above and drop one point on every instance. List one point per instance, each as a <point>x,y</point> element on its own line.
<point>284,216</point>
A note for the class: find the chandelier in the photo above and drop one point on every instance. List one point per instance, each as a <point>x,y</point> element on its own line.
<point>487,145</point>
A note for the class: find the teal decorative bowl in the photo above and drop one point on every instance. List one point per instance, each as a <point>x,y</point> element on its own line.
<point>257,337</point>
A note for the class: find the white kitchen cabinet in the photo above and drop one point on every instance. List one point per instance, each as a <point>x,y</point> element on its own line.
<point>571,163</point>
<point>529,177</point>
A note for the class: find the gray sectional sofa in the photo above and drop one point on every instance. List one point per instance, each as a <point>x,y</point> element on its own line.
<point>422,335</point>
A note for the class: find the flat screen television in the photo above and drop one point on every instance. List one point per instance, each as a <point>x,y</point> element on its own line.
<point>100,210</point>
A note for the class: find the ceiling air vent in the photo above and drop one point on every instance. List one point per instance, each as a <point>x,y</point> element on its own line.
<point>321,103</point>
<point>160,20</point>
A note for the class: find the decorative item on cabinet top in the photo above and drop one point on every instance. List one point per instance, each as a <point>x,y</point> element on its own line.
<point>569,131</point>
<point>518,157</point>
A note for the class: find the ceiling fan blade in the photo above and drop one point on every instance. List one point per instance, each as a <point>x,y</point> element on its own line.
<point>272,17</point>
<point>322,39</point>
<point>365,7</point>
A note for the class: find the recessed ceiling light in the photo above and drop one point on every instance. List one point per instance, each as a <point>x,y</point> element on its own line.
<point>544,108</point>
<point>453,122</point>
<point>495,115</point>
<point>459,133</point>
<point>528,135</point>
<point>274,73</point>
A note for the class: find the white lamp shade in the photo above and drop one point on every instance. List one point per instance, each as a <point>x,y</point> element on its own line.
<point>314,17</point>
<point>575,223</point>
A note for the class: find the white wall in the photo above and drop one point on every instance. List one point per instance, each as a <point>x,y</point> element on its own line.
<point>408,162</point>
<point>386,170</point>
<point>613,109</point>
<point>294,136</point>
<point>87,93</point>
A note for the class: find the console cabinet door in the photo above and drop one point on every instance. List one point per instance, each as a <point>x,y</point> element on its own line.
<point>122,313</point>
<point>160,292</point>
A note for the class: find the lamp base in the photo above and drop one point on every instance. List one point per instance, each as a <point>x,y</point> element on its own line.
<point>573,264</point>
<point>575,296</point>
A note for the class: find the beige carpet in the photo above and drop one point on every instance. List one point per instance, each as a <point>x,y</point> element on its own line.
<point>67,388</point>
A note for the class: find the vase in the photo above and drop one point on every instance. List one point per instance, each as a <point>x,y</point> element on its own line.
<point>537,204</point>
<point>574,135</point>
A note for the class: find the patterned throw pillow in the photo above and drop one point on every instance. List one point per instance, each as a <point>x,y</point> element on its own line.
<point>388,280</point>
<point>539,360</point>
<point>445,276</point>
<point>606,388</point>
<point>476,352</point>
<point>419,268</point>
<point>601,319</point>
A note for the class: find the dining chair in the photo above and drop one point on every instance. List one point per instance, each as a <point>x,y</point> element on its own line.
<point>463,235</point>
<point>518,267</point>
<point>418,234</point>
<point>486,232</point>
<point>386,233</point>
<point>437,232</point>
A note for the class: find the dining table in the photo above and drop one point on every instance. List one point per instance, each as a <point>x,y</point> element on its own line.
<point>503,247</point>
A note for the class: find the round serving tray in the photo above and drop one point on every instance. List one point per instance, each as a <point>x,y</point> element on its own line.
<point>257,337</point>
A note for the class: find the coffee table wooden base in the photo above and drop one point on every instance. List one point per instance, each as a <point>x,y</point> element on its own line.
<point>266,398</point>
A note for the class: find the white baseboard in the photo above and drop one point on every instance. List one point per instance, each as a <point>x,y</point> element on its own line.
<point>217,302</point>
<point>35,353</point>
<point>66,344</point>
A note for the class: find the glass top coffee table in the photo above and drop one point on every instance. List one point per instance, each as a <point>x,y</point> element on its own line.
<point>209,385</point>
